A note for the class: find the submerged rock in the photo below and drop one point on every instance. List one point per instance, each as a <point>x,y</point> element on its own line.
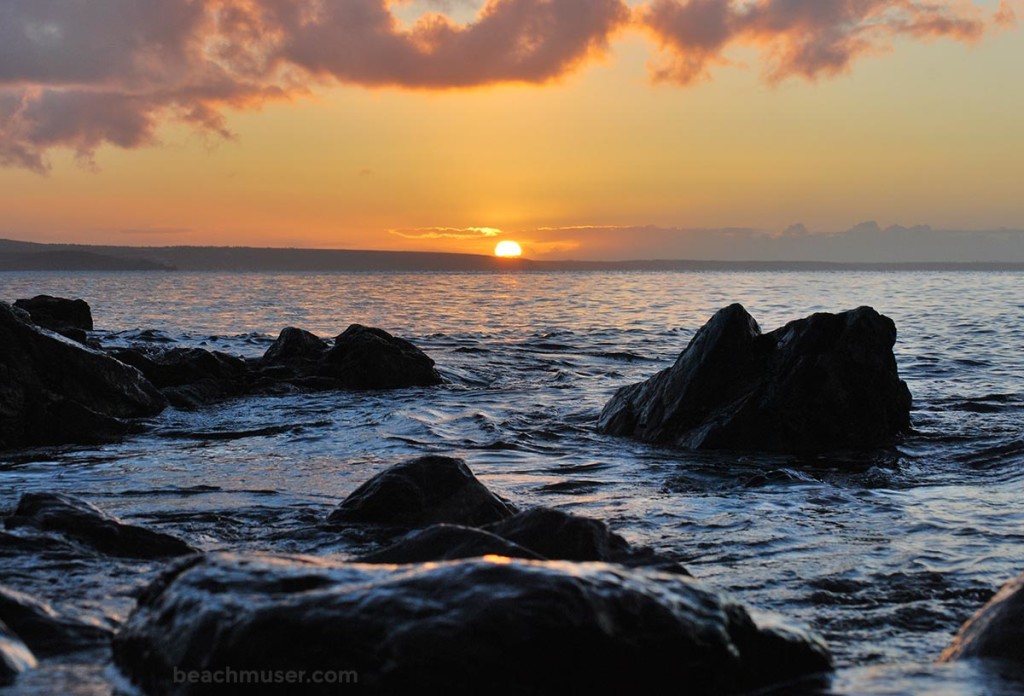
<point>44,630</point>
<point>15,657</point>
<point>448,542</point>
<point>367,358</point>
<point>87,524</point>
<point>996,631</point>
<point>825,382</point>
<point>54,391</point>
<point>71,318</point>
<point>424,491</point>
<point>486,625</point>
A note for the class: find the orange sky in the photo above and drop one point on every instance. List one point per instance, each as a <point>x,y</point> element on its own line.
<point>468,128</point>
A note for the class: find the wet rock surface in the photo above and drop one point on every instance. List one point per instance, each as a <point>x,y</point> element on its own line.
<point>53,390</point>
<point>822,383</point>
<point>448,542</point>
<point>557,535</point>
<point>85,523</point>
<point>295,348</point>
<point>190,377</point>
<point>70,318</point>
<point>423,491</point>
<point>996,631</point>
<point>15,657</point>
<point>364,357</point>
<point>44,630</point>
<point>508,626</point>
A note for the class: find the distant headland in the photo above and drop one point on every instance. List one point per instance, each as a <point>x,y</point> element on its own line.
<point>32,256</point>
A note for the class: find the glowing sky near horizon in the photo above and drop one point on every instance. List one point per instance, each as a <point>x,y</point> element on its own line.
<point>241,122</point>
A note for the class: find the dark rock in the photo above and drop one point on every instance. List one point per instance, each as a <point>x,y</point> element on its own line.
<point>996,631</point>
<point>448,542</point>
<point>821,383</point>
<point>190,377</point>
<point>369,358</point>
<point>482,626</point>
<point>557,535</point>
<point>362,358</point>
<point>44,630</point>
<point>295,347</point>
<point>71,318</point>
<point>14,545</point>
<point>87,524</point>
<point>15,657</point>
<point>54,391</point>
<point>424,491</point>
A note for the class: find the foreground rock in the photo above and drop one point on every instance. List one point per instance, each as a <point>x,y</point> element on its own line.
<point>996,631</point>
<point>825,382</point>
<point>88,525</point>
<point>44,630</point>
<point>71,318</point>
<point>55,391</point>
<point>421,492</point>
<point>15,657</point>
<point>502,626</point>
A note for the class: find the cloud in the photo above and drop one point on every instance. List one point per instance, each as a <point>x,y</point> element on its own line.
<point>447,233</point>
<point>360,41</point>
<point>81,75</point>
<point>1006,13</point>
<point>78,75</point>
<point>805,38</point>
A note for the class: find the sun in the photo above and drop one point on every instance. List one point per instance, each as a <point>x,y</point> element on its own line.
<point>508,249</point>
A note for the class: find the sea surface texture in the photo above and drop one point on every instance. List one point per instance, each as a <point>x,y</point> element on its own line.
<point>884,552</point>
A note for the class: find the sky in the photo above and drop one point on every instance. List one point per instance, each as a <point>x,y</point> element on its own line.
<point>589,129</point>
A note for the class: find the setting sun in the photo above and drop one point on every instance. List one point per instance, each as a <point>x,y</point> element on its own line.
<point>508,249</point>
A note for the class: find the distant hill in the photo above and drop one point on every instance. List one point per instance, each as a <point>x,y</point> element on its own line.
<point>74,261</point>
<point>17,255</point>
<point>30,256</point>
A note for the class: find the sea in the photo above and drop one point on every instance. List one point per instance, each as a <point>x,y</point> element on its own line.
<point>883,552</point>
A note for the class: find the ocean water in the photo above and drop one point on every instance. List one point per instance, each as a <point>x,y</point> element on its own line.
<point>885,553</point>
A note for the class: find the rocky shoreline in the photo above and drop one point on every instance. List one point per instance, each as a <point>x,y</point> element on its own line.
<point>463,585</point>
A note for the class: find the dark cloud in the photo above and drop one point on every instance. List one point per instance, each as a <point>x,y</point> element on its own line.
<point>360,41</point>
<point>806,38</point>
<point>79,74</point>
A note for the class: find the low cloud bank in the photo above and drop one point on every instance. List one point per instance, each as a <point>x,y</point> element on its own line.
<point>864,243</point>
